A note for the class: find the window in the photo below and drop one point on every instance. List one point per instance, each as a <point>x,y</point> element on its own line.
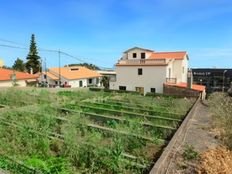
<point>169,73</point>
<point>153,90</point>
<point>140,71</point>
<point>134,55</point>
<point>143,55</point>
<point>90,81</point>
<point>80,83</point>
<point>97,80</point>
<point>45,76</point>
<point>122,88</point>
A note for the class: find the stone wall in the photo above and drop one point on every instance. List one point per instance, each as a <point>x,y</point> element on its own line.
<point>178,91</point>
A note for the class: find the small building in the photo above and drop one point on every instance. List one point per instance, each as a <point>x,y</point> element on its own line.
<point>111,74</point>
<point>145,70</point>
<point>75,76</point>
<point>215,79</point>
<point>9,78</point>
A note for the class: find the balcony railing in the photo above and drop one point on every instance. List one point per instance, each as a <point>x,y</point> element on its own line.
<point>142,61</point>
<point>171,80</point>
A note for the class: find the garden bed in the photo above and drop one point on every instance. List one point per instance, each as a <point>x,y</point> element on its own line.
<point>87,132</point>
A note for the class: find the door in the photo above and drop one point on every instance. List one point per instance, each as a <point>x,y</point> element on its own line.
<point>139,90</point>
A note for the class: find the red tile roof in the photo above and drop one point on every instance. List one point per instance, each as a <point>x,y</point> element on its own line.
<point>50,75</point>
<point>75,72</point>
<point>5,75</point>
<point>195,87</point>
<point>169,55</point>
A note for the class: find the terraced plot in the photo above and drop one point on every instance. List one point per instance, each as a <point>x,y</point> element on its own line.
<point>86,132</point>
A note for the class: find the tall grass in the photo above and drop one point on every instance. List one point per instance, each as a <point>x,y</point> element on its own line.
<point>221,107</point>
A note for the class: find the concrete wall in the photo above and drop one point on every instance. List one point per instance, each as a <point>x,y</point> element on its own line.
<point>21,83</point>
<point>180,68</point>
<point>129,54</point>
<point>178,91</point>
<point>153,77</point>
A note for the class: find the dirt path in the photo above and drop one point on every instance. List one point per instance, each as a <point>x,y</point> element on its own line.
<point>198,137</point>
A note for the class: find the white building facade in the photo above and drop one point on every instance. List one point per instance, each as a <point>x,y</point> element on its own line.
<point>144,70</point>
<point>73,77</point>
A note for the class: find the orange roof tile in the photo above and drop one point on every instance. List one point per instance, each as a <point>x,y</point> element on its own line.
<point>184,85</point>
<point>74,72</point>
<point>52,76</point>
<point>168,55</point>
<point>5,75</point>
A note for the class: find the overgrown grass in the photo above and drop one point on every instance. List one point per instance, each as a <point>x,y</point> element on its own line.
<point>35,131</point>
<point>221,107</point>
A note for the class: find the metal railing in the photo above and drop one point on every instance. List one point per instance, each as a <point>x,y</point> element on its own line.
<point>171,80</point>
<point>142,61</point>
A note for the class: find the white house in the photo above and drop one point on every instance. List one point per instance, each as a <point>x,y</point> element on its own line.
<point>145,70</point>
<point>75,76</point>
<point>9,78</point>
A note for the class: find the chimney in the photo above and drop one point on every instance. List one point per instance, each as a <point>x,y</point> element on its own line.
<point>189,79</point>
<point>31,70</point>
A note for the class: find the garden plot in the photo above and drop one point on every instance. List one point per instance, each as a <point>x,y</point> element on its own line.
<point>80,132</point>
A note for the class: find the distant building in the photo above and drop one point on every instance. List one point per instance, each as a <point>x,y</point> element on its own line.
<point>213,78</point>
<point>145,70</point>
<point>75,76</point>
<point>9,78</point>
<point>111,74</point>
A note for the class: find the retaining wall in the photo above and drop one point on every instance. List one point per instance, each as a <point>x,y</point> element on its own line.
<point>161,166</point>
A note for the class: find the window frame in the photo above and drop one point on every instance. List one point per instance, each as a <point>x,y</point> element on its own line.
<point>134,55</point>
<point>140,71</point>
<point>143,55</point>
<point>151,90</point>
<point>122,88</point>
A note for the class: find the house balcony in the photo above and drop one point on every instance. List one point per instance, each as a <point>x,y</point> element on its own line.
<point>142,62</point>
<point>171,80</point>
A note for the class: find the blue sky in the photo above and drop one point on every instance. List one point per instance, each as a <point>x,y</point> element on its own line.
<point>98,31</point>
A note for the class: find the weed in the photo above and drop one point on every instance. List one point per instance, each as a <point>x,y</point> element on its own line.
<point>189,153</point>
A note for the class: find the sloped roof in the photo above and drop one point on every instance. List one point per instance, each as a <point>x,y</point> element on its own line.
<point>180,55</point>
<point>5,75</point>
<point>195,87</point>
<point>52,76</point>
<point>74,72</point>
<point>138,48</point>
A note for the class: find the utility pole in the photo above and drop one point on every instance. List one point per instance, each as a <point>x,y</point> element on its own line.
<point>59,70</point>
<point>45,66</point>
<point>223,82</point>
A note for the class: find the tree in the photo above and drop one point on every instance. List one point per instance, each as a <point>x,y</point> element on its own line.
<point>33,60</point>
<point>19,65</point>
<point>87,65</point>
<point>105,81</point>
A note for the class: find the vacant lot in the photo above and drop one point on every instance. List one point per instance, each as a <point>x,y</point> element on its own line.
<point>84,131</point>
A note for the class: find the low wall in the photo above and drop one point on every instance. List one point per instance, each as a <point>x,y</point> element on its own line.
<point>161,166</point>
<point>178,91</point>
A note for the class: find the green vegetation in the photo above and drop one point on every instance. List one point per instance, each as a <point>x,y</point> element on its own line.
<point>87,65</point>
<point>19,65</point>
<point>33,59</point>
<point>221,107</point>
<point>84,131</point>
<point>189,153</point>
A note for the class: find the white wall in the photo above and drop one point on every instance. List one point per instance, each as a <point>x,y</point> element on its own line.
<point>153,77</point>
<point>178,70</point>
<point>129,55</point>
<point>21,83</point>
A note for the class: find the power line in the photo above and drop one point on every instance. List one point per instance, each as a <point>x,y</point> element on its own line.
<point>8,41</point>
<point>11,46</point>
<point>44,50</point>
